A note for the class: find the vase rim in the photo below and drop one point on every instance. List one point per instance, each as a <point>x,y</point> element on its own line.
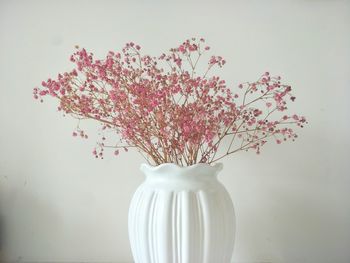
<point>173,166</point>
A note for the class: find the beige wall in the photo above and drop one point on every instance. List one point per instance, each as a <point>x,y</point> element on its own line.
<point>292,201</point>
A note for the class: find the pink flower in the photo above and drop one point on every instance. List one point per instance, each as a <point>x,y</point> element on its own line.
<point>193,47</point>
<point>169,110</point>
<point>182,49</point>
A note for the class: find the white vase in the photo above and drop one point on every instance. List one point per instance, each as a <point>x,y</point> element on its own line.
<point>181,215</point>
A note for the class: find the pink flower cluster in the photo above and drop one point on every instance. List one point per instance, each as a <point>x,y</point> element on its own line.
<point>166,109</point>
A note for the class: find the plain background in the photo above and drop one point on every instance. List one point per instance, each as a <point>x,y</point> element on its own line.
<point>292,202</point>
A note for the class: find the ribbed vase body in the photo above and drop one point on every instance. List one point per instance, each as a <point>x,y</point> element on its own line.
<point>181,215</point>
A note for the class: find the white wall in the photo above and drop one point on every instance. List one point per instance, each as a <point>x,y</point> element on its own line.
<point>292,201</point>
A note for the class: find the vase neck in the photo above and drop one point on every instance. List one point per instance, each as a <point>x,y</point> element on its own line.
<point>174,171</point>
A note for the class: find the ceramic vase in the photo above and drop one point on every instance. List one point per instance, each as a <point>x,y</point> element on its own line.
<point>181,215</point>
